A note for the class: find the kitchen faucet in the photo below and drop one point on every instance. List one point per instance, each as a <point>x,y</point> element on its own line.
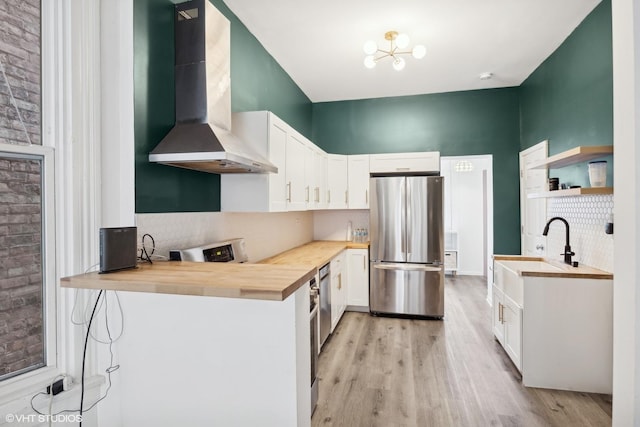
<point>567,248</point>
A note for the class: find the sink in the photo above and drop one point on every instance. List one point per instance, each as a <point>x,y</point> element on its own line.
<point>520,265</point>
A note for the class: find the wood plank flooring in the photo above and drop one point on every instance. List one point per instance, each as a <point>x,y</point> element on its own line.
<point>379,371</point>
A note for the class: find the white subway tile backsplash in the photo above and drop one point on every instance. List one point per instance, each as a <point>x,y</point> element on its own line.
<point>265,234</point>
<point>586,216</point>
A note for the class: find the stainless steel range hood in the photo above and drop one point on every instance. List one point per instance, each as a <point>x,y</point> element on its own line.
<point>201,138</point>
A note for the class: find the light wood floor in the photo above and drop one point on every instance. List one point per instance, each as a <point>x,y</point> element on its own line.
<point>379,371</point>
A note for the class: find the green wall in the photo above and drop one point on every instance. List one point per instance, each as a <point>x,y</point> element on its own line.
<point>456,123</point>
<point>257,83</point>
<point>568,99</point>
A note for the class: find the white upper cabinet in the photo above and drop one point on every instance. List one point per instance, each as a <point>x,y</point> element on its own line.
<point>337,181</point>
<point>319,184</point>
<point>267,135</point>
<point>297,187</point>
<point>307,177</point>
<point>358,181</point>
<point>405,162</point>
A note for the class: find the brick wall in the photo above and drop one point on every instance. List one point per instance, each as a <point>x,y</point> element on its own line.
<point>21,291</point>
<point>21,321</point>
<point>20,60</point>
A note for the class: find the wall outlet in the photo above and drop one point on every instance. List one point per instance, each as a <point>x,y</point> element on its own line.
<point>56,387</point>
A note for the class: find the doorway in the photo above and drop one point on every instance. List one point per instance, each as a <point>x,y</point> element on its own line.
<point>468,212</point>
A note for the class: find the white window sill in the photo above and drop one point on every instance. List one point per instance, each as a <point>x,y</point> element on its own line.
<point>68,399</point>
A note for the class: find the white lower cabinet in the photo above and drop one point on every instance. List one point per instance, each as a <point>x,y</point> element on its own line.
<point>556,330</point>
<point>507,325</point>
<point>358,279</point>
<point>338,288</point>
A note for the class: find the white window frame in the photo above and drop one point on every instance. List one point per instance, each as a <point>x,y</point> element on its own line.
<point>39,377</point>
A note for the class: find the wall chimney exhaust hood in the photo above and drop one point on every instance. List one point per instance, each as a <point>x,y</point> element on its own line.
<point>201,138</point>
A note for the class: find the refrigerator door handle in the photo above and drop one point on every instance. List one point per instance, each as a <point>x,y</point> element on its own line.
<point>407,267</point>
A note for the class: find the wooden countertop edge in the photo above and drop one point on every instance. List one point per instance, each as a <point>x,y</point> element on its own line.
<point>591,273</point>
<point>146,283</point>
<point>517,258</point>
<point>290,256</point>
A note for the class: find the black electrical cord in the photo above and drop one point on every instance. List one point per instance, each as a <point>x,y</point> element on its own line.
<point>144,255</point>
<point>84,354</point>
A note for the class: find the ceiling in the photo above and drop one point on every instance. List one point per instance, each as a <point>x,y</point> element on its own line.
<point>319,44</point>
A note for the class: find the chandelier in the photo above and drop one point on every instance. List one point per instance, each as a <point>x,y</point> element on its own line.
<point>397,42</point>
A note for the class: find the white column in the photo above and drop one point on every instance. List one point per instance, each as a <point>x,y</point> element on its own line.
<point>626,131</point>
<point>116,68</point>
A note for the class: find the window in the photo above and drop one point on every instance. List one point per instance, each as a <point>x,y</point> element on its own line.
<point>22,320</point>
<point>27,249</point>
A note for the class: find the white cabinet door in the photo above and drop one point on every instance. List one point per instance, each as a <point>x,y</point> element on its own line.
<point>278,156</point>
<point>338,288</point>
<point>496,318</point>
<point>512,342</point>
<point>296,183</point>
<point>317,178</point>
<point>358,277</point>
<point>320,166</point>
<point>267,135</point>
<point>337,181</point>
<point>405,162</point>
<point>358,181</point>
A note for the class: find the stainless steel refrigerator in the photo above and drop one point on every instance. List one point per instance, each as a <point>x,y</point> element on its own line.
<point>407,246</point>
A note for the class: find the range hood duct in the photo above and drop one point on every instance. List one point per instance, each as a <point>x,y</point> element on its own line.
<point>201,138</point>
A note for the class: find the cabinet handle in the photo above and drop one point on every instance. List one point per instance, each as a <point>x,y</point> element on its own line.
<point>346,197</point>
<point>306,197</point>
<point>500,312</point>
<point>366,196</point>
<point>364,263</point>
<point>289,192</point>
<point>317,194</point>
<point>328,196</point>
<point>340,281</point>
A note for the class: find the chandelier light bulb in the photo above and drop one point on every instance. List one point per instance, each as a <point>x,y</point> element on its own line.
<point>369,61</point>
<point>398,64</point>
<point>402,41</point>
<point>419,51</point>
<point>394,49</point>
<point>370,47</point>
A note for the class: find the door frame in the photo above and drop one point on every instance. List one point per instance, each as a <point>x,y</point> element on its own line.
<point>488,212</point>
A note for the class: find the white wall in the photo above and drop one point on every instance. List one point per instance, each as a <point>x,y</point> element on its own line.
<point>626,134</point>
<point>332,225</point>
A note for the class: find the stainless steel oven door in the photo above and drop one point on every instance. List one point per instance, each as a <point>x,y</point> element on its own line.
<point>314,357</point>
<point>409,289</point>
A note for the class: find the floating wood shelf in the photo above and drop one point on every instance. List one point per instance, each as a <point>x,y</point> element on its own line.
<point>575,155</point>
<point>572,192</point>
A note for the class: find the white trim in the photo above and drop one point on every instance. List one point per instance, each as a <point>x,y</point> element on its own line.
<point>41,376</point>
<point>626,141</point>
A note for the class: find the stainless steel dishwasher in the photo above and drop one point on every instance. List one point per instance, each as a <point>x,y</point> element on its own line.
<point>325,303</point>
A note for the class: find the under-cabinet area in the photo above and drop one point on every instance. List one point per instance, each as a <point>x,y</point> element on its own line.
<point>555,322</point>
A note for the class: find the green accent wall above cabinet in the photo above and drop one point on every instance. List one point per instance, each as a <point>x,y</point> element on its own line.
<point>454,123</point>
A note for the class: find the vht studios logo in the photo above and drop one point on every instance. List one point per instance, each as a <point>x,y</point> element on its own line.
<point>38,418</point>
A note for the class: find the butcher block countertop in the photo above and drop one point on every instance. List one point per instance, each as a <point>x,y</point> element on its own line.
<point>316,253</point>
<point>564,270</point>
<point>249,281</point>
